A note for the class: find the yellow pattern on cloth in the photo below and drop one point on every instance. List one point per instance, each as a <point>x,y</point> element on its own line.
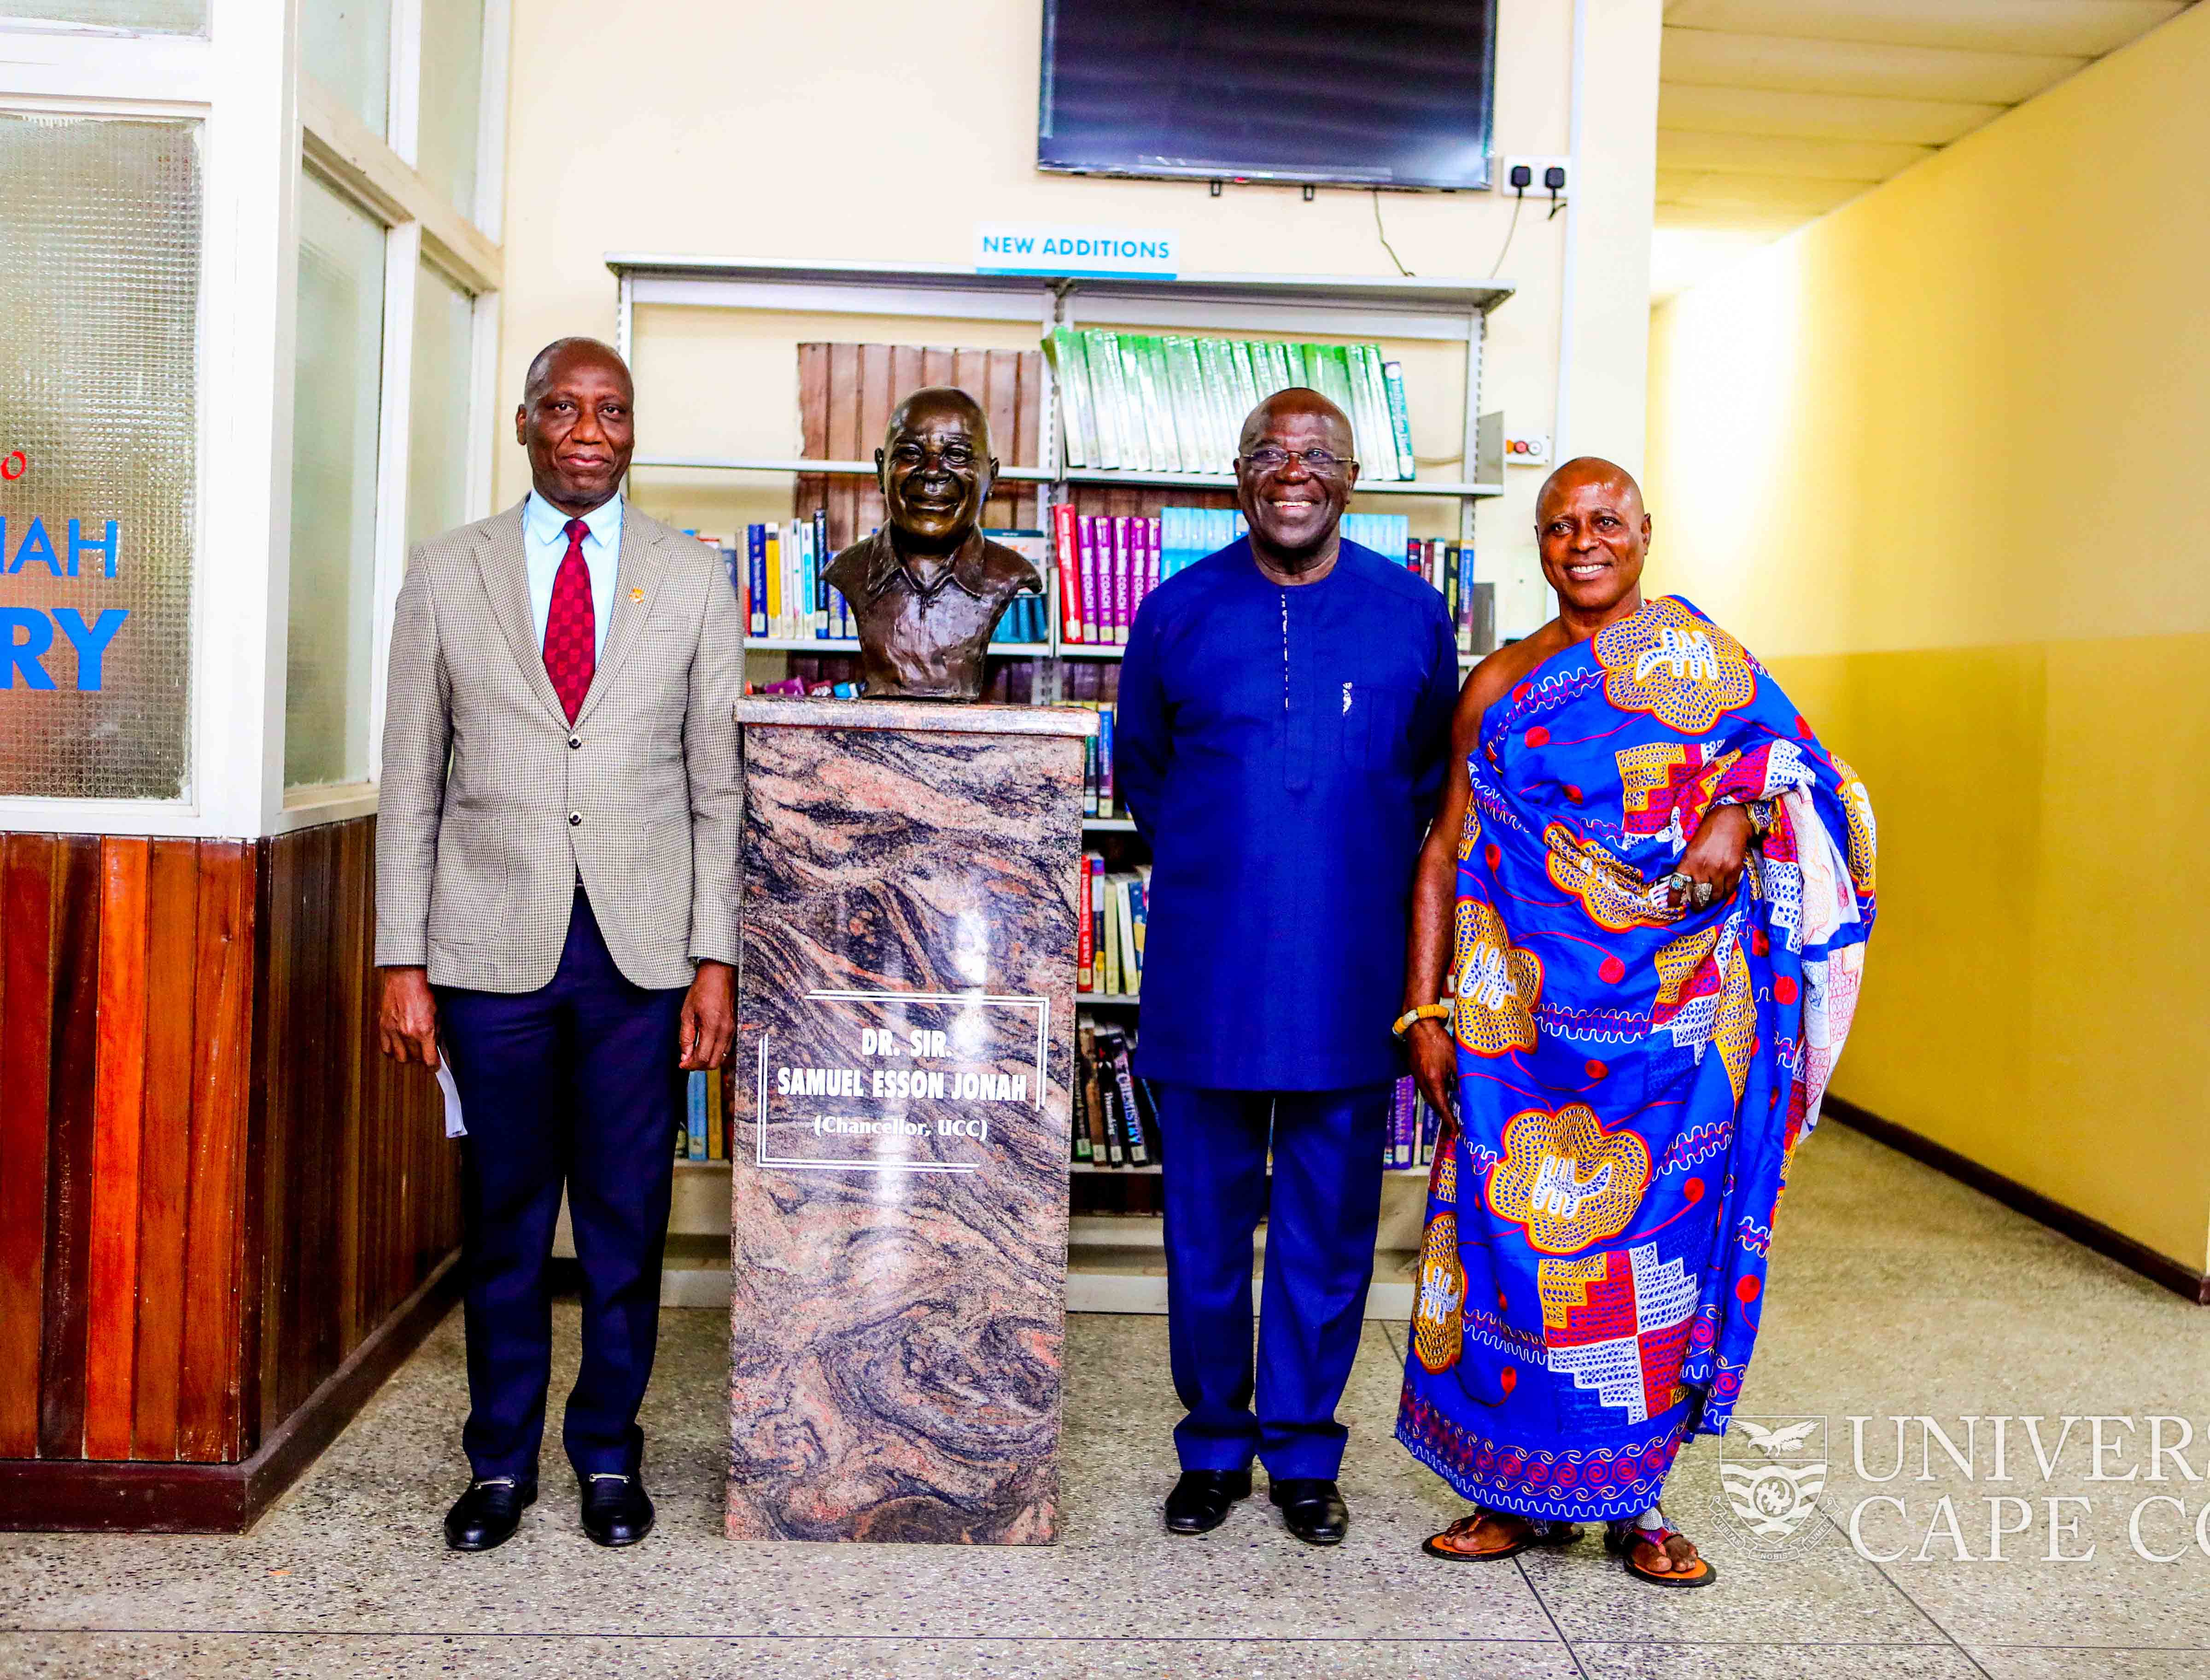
<point>1566,1179</point>
<point>1498,984</point>
<point>1614,893</point>
<point>1563,1285</point>
<point>1667,662</point>
<point>1438,1323</point>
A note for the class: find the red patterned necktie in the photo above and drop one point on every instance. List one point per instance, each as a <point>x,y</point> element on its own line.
<point>570,627</point>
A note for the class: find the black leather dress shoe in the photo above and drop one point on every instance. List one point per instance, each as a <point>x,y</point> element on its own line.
<point>1201,1499</point>
<point>488,1514</point>
<point>616,1512</point>
<point>1313,1509</point>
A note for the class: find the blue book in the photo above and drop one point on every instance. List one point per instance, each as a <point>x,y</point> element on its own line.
<point>755,572</point>
<point>695,1096</point>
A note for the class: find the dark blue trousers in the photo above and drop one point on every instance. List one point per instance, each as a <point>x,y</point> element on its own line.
<point>574,1084</point>
<point>1321,1212</point>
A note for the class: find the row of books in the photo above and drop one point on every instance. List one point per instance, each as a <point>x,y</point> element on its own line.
<point>1108,942</point>
<point>1449,566</point>
<point>1107,563</point>
<point>1144,402</point>
<point>778,578</point>
<point>703,1135</point>
<point>1097,799</point>
<point>1116,1119</point>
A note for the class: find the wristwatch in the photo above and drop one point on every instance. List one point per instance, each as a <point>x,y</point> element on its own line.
<point>1434,1011</point>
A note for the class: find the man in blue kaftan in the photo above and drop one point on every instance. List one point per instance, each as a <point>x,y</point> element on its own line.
<point>1284,707</point>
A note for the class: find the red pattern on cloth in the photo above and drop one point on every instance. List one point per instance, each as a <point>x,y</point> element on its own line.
<point>571,625</point>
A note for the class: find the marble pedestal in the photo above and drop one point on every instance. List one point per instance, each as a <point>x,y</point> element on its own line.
<point>902,1068</point>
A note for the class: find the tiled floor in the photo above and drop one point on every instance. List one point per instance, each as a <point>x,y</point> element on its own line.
<point>1893,1292</point>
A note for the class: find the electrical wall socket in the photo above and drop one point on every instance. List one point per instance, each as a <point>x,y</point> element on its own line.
<point>1536,192</point>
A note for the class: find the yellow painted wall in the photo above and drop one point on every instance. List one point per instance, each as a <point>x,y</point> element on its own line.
<point>1939,459</point>
<point>867,130</point>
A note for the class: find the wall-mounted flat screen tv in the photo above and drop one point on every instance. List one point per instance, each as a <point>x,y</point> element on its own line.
<point>1369,93</point>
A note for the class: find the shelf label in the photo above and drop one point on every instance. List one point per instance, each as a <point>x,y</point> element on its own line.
<point>896,1081</point>
<point>1055,248</point>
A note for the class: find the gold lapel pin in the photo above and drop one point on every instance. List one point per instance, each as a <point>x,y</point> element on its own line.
<point>636,594</point>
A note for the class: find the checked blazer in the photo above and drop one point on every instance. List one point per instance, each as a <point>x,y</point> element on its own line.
<point>492,804</point>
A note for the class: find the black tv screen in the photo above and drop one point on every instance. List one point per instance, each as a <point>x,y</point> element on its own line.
<point>1378,94</point>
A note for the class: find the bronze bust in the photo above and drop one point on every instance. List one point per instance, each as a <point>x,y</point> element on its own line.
<point>927,589</point>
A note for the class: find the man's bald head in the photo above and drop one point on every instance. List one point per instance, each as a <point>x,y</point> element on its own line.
<point>1296,401</point>
<point>565,355</point>
<point>1587,470</point>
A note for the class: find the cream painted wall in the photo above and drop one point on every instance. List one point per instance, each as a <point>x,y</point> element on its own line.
<point>1936,458</point>
<point>840,129</point>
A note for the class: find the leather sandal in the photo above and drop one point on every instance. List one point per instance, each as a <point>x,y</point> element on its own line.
<point>1455,1544</point>
<point>1620,1538</point>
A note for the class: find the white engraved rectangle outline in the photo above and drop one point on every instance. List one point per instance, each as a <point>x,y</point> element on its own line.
<point>760,1156</point>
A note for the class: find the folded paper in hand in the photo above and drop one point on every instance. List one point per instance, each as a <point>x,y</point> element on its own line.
<point>453,1126</point>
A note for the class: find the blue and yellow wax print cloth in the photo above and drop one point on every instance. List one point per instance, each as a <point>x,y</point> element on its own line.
<point>1632,1080</point>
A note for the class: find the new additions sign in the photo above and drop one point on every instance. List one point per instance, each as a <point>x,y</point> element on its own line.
<point>1051,248</point>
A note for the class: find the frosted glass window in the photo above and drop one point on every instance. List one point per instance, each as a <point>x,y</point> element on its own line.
<point>99,441</point>
<point>346,45</point>
<point>154,17</point>
<point>452,98</point>
<point>336,394</point>
<point>437,418</point>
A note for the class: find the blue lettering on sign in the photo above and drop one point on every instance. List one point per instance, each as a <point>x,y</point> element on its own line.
<point>107,548</point>
<point>21,653</point>
<point>36,545</point>
<point>90,640</point>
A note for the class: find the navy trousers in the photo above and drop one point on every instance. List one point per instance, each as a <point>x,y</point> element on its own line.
<point>574,1084</point>
<point>1321,1212</point>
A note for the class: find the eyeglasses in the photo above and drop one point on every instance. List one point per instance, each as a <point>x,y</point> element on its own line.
<point>1268,458</point>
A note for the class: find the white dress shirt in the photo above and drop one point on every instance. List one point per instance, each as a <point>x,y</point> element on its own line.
<point>544,545</point>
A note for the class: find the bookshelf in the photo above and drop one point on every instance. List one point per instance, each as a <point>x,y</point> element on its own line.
<point>1116,1261</point>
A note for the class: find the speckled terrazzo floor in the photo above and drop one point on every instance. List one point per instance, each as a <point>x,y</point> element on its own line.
<point>1894,1292</point>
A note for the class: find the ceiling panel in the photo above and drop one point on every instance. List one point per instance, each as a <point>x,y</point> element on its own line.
<point>1818,116</point>
<point>1794,64</point>
<point>1781,154</point>
<point>1720,188</point>
<point>2078,28</point>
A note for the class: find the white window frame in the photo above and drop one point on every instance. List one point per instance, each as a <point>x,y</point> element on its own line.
<point>262,119</point>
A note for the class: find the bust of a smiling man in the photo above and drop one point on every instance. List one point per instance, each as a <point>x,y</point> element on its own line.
<point>928,588</point>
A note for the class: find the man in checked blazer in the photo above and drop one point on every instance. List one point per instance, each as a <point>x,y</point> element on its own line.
<point>556,903</point>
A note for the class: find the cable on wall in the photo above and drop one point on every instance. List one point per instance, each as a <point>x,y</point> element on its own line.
<point>1382,234</point>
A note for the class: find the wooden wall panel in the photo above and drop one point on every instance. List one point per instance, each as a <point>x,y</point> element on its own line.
<point>118,1136</point>
<point>213,1191</point>
<point>209,1388</point>
<point>26,1008</point>
<point>358,1188</point>
<point>173,897</point>
<point>73,1050</point>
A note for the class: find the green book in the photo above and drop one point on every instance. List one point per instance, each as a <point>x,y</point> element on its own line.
<point>1377,445</point>
<point>1136,437</point>
<point>1330,374</point>
<point>1194,416</point>
<point>1158,399</point>
<point>1224,418</point>
<point>1102,356</point>
<point>1069,371</point>
<point>1245,378</point>
<point>1280,372</point>
<point>1400,418</point>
